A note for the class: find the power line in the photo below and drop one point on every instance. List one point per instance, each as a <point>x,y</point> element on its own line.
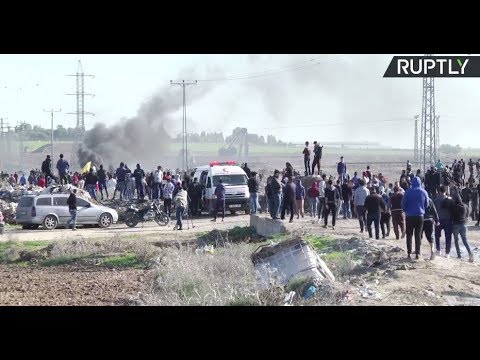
<point>272,72</point>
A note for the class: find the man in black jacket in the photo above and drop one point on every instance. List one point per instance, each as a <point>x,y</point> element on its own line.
<point>193,196</point>
<point>288,199</point>
<point>47,168</point>
<point>317,157</point>
<point>102,181</point>
<point>91,184</point>
<point>374,205</point>
<point>253,189</point>
<point>72,208</point>
<point>276,190</point>
<point>139,175</point>
<point>332,196</point>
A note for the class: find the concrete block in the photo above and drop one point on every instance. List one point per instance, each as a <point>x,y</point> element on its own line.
<point>265,226</point>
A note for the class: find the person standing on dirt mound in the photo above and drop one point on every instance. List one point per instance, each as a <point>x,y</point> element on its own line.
<point>414,203</point>
<point>306,158</point>
<point>47,167</point>
<point>62,167</point>
<point>317,157</point>
<point>341,170</point>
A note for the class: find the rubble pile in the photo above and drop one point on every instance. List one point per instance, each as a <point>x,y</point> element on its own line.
<point>11,193</point>
<point>8,209</point>
<point>65,189</point>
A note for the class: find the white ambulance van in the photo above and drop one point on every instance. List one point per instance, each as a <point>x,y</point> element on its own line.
<point>237,196</point>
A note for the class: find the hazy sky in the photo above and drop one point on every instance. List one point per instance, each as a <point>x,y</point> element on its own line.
<point>344,96</point>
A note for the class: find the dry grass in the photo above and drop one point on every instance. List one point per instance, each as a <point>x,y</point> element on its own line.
<point>226,277</point>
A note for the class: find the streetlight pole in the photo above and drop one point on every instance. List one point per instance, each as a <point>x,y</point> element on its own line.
<point>51,133</point>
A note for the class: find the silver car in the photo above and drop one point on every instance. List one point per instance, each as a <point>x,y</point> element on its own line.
<point>51,210</point>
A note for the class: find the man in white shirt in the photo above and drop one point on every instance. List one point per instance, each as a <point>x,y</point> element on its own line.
<point>81,184</point>
<point>157,183</point>
<point>321,199</point>
<point>167,196</point>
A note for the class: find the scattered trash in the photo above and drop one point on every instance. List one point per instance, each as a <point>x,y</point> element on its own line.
<point>289,298</point>
<point>404,267</point>
<point>310,292</point>
<point>206,249</point>
<point>278,264</point>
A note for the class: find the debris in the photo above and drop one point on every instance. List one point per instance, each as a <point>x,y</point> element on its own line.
<point>289,298</point>
<point>310,292</point>
<point>278,264</point>
<point>404,267</point>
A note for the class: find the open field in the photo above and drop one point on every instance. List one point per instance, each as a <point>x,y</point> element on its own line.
<point>123,266</point>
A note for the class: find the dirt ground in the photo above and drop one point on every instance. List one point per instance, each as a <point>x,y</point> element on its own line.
<point>396,281</point>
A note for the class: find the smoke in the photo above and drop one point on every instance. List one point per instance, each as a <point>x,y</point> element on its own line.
<point>144,138</point>
<point>141,139</point>
<point>346,89</point>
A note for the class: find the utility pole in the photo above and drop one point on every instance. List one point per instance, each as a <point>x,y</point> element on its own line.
<point>416,156</point>
<point>2,139</point>
<point>429,128</point>
<point>80,94</point>
<point>51,134</point>
<point>184,84</point>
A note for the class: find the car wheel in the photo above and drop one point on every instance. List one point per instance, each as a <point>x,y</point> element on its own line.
<point>247,210</point>
<point>50,222</point>
<point>105,220</point>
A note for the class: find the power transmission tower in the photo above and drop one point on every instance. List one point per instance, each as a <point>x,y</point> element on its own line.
<point>428,145</point>
<point>437,135</point>
<point>416,153</point>
<point>80,94</point>
<point>51,133</point>
<point>184,84</point>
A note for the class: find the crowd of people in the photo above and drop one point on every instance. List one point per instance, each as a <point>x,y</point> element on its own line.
<point>416,205</point>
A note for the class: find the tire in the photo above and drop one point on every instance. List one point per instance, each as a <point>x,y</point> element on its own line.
<point>162,219</point>
<point>50,222</point>
<point>247,210</point>
<point>131,220</point>
<point>105,220</point>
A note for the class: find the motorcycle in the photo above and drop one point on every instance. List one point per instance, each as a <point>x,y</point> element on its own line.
<point>150,212</point>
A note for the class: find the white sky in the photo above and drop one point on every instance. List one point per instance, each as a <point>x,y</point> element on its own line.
<point>345,89</point>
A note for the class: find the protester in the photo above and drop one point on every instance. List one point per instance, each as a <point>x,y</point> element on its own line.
<point>374,205</point>
<point>180,205</point>
<point>253,187</point>
<point>306,158</point>
<point>288,199</point>
<point>220,201</point>
<point>458,212</point>
<point>91,184</point>
<point>72,208</point>
<point>331,197</point>
<point>398,215</point>
<point>359,197</point>
<point>168,196</point>
<point>313,199</point>
<point>414,203</point>
<point>62,167</point>
<point>299,198</point>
